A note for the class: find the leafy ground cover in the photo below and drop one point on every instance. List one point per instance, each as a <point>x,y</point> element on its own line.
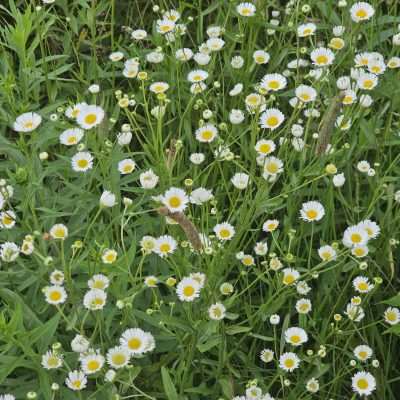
<point>199,199</point>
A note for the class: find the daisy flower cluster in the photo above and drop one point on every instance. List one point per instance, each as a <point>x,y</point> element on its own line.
<point>199,200</point>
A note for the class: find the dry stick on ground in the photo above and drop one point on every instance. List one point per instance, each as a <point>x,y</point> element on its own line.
<point>187,226</point>
<point>328,123</point>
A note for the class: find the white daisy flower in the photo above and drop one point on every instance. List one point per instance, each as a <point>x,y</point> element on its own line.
<point>175,199</point>
<point>74,110</point>
<point>322,57</point>
<point>7,219</point>
<point>312,211</point>
<point>305,30</point>
<point>367,81</point>
<point>272,118</point>
<point>126,166</point>
<point>118,357</point>
<point>261,57</point>
<point>207,133</point>
<point>159,87</point>
<point>137,341</point>
<point>327,253</point>
<point>9,251</point>
<point>165,245</point>
<point>76,380</point>
<point>108,256</point>
<point>306,94</point>
<point>200,196</point>
<point>148,179</point>
<point>90,116</point>
<point>197,76</point>
<point>303,306</point>
<point>363,383</point>
<point>355,236</point>
<point>392,315</point>
<point>240,180</point>
<point>98,281</point>
<point>361,11</point>
<point>82,161</point>
<point>224,231</point>
<point>363,352</point>
<point>107,199</point>
<point>51,360</point>
<point>116,56</point>
<point>270,225</point>
<point>92,363</point>
<point>273,82</point>
<point>290,276</point>
<point>55,294</point>
<point>95,299</point>
<point>359,251</point>
<point>184,54</point>
<point>246,9</point>
<point>267,355</point>
<point>27,122</point>
<point>296,336</point>
<point>289,361</point>
<point>165,26</point>
<point>217,311</point>
<point>71,136</point>
<point>188,289</point>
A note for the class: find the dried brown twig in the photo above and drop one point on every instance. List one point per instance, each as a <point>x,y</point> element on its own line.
<point>328,123</point>
<point>187,226</point>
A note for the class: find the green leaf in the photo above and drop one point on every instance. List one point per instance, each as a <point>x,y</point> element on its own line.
<point>169,387</point>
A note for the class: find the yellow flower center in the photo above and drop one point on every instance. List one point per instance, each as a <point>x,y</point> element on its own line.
<point>363,286</point>
<point>55,296</point>
<point>134,343</point>
<point>207,135</point>
<point>127,168</point>
<point>311,214</point>
<point>118,359</point>
<point>273,85</point>
<point>272,121</point>
<point>98,301</point>
<point>174,201</point>
<point>361,13</point>
<point>368,83</point>
<point>7,220</point>
<point>322,59</point>
<point>265,148</point>
<point>307,31</point>
<point>359,251</point>
<point>391,316</point>
<point>295,339</point>
<point>165,248</point>
<point>93,365</point>
<point>260,59</point>
<point>356,238</point>
<point>77,384</point>
<point>98,284</point>
<point>305,97</point>
<point>188,291</point>
<point>363,355</point>
<point>288,279</point>
<point>289,363</point>
<point>90,119</point>
<point>28,125</point>
<point>224,233</point>
<point>272,168</point>
<point>52,362</point>
<point>82,163</point>
<point>326,255</point>
<point>72,140</point>
<point>362,384</point>
<point>75,113</point>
